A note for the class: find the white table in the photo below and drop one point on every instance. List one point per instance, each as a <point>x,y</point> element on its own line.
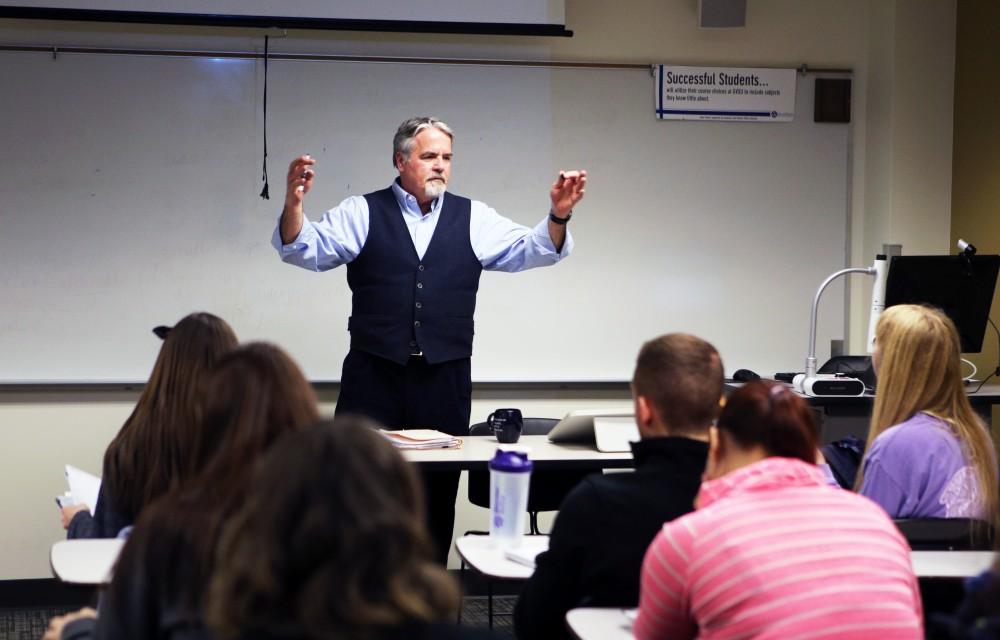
<point>485,557</point>
<point>601,623</point>
<point>480,553</point>
<point>613,623</point>
<point>476,452</point>
<point>85,561</point>
<point>951,564</point>
<point>491,561</point>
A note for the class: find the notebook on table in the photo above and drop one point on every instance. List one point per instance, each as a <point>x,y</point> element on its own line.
<point>529,549</point>
<point>578,426</point>
<point>615,434</point>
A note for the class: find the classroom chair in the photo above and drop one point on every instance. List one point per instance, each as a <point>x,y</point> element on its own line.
<point>946,534</point>
<point>547,489</point>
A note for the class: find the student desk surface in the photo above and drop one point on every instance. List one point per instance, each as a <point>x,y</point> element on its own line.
<point>604,623</point>
<point>85,561</point>
<point>614,623</point>
<point>490,560</point>
<point>476,452</point>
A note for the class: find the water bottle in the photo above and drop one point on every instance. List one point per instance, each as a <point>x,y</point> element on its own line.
<point>510,473</point>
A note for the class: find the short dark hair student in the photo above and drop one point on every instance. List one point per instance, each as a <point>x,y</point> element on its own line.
<point>605,524</point>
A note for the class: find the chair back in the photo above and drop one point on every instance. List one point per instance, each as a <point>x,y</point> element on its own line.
<point>532,427</point>
<point>947,534</point>
<point>480,429</point>
<point>547,488</point>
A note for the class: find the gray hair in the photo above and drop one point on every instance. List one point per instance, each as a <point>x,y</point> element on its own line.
<point>402,142</point>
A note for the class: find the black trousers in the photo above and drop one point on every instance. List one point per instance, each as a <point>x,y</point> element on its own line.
<point>416,395</point>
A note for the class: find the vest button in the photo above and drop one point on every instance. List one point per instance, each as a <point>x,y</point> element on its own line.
<point>416,324</point>
<point>421,267</point>
<point>419,305</point>
<point>420,285</point>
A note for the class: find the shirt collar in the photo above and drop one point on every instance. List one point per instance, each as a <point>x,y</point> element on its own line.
<point>670,451</point>
<point>409,205</point>
<point>767,474</point>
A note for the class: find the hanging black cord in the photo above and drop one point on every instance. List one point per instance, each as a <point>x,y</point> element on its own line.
<point>997,370</point>
<point>264,192</point>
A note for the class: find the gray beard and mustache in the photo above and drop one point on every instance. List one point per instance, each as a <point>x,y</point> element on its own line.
<point>434,189</point>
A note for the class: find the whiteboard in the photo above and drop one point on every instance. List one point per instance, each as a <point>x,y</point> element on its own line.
<point>510,11</point>
<point>128,198</point>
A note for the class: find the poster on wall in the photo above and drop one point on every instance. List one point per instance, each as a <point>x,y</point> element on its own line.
<point>724,93</point>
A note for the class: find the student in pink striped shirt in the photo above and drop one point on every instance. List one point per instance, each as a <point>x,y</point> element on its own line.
<point>772,551</point>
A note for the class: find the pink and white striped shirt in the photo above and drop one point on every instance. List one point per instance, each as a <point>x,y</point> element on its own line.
<point>773,552</point>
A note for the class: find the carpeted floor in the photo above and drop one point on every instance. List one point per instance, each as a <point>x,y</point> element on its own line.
<point>474,613</point>
<point>25,624</point>
<point>29,624</point>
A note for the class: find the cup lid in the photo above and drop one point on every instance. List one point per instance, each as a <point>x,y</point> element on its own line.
<point>511,461</point>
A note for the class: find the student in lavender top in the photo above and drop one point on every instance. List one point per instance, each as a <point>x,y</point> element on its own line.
<point>928,454</point>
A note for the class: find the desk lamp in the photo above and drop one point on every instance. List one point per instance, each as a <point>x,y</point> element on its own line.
<point>815,384</point>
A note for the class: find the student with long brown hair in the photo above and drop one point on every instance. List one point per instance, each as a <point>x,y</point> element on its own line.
<point>255,396</point>
<point>771,550</point>
<point>928,453</point>
<point>331,545</point>
<point>150,454</point>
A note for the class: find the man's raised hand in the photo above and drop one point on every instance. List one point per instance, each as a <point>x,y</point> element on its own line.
<point>566,191</point>
<point>297,185</point>
<point>299,180</point>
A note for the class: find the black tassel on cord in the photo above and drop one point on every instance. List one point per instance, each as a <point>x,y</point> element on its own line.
<point>264,192</point>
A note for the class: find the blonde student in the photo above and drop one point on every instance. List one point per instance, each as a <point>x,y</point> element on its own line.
<point>928,453</point>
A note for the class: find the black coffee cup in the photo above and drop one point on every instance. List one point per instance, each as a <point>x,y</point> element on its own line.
<point>506,424</point>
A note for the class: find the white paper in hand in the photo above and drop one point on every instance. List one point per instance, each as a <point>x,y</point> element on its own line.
<point>84,486</point>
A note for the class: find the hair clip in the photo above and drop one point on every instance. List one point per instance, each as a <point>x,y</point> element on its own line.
<point>162,331</point>
<point>776,394</point>
<point>777,390</point>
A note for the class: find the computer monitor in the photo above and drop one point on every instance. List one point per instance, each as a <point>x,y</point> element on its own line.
<point>961,286</point>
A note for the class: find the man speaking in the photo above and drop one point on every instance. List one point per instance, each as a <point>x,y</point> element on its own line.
<point>414,254</point>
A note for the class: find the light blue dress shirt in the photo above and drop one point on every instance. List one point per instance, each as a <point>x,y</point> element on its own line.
<point>499,243</point>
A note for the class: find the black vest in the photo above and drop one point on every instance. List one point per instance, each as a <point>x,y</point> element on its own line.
<point>402,304</point>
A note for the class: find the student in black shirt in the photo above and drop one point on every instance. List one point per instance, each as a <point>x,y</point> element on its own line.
<point>605,524</point>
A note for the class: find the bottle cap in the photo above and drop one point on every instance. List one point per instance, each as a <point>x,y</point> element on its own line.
<point>510,462</point>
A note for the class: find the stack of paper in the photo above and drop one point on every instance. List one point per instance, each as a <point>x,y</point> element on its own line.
<point>422,439</point>
<point>83,487</point>
<point>530,547</point>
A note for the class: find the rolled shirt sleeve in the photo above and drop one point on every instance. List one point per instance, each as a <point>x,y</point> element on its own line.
<point>499,243</point>
<point>334,240</point>
<point>503,245</point>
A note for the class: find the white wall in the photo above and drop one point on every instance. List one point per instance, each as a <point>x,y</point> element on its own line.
<point>900,51</point>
